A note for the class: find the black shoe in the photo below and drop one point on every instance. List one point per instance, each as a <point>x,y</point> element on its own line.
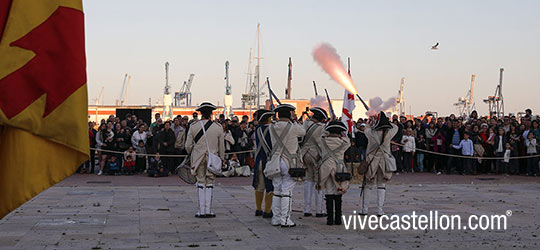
<point>320,215</point>
<point>210,216</point>
<point>200,216</point>
<point>268,215</point>
<point>293,225</point>
<point>307,214</point>
<point>258,213</point>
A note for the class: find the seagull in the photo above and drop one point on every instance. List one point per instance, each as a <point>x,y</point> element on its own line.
<point>435,47</point>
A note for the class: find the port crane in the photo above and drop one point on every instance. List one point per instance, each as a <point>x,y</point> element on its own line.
<point>183,97</point>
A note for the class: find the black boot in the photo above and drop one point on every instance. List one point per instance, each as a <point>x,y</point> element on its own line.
<point>330,209</point>
<point>337,199</point>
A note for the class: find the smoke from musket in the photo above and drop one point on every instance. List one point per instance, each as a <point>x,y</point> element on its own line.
<point>319,101</point>
<point>326,56</point>
<point>377,105</point>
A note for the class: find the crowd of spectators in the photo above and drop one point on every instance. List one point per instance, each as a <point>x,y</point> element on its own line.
<point>123,144</point>
<point>467,137</point>
<point>454,140</point>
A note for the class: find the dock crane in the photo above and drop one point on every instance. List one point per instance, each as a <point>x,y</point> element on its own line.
<point>167,98</point>
<point>124,93</point>
<point>184,94</point>
<point>228,93</point>
<point>466,104</point>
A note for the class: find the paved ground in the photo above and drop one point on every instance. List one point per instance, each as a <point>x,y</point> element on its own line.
<point>131,212</point>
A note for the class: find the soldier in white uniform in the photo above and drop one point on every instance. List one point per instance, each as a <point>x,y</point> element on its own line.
<point>310,155</point>
<point>283,182</point>
<point>333,147</point>
<point>196,145</point>
<point>383,164</point>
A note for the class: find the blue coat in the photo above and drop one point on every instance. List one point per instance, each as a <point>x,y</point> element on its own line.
<point>261,158</point>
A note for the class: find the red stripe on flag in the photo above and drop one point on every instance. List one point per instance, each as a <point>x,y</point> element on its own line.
<point>5,5</point>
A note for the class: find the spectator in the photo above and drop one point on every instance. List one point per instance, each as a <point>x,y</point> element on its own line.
<point>129,165</point>
<point>409,148</point>
<point>157,117</point>
<point>157,168</point>
<point>532,162</point>
<point>467,149</point>
<point>500,149</point>
<point>166,142</point>
<point>112,168</point>
<point>361,141</point>
<point>439,146</point>
<point>139,135</point>
<point>140,160</point>
<point>420,144</point>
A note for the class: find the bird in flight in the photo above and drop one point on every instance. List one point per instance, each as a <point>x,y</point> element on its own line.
<point>435,47</point>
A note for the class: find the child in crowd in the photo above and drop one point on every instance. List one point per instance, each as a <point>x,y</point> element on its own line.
<point>113,167</point>
<point>140,160</point>
<point>157,168</point>
<point>129,165</point>
<point>467,149</point>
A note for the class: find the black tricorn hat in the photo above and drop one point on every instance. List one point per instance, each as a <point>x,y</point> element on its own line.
<point>284,107</point>
<point>319,113</point>
<point>264,114</point>
<point>382,122</point>
<point>206,106</point>
<point>335,127</point>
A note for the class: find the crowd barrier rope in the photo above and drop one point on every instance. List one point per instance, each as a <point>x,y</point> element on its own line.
<point>468,157</point>
<point>162,155</point>
<point>394,143</point>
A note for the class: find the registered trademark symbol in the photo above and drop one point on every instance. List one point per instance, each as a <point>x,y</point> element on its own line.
<point>508,212</point>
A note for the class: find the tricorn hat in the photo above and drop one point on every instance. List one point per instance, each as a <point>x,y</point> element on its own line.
<point>382,122</point>
<point>319,113</point>
<point>206,106</point>
<point>336,127</point>
<point>284,107</point>
<point>264,114</point>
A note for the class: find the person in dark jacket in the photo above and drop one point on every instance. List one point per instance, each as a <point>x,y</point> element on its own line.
<point>361,141</point>
<point>157,169</point>
<point>454,135</point>
<point>166,140</point>
<point>396,149</point>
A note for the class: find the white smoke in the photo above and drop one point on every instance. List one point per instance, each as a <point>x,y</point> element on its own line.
<point>377,105</point>
<point>319,101</point>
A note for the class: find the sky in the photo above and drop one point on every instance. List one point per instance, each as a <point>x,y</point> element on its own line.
<point>386,40</point>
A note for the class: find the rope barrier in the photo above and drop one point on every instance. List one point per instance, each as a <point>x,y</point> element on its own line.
<point>468,157</point>
<point>163,156</point>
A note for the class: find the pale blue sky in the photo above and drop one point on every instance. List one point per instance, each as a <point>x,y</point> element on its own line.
<point>385,40</point>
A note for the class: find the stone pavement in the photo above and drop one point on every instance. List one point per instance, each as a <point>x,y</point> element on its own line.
<point>133,212</point>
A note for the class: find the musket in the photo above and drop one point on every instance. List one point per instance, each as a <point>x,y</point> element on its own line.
<point>365,105</point>
<point>272,94</point>
<point>315,88</point>
<point>330,105</point>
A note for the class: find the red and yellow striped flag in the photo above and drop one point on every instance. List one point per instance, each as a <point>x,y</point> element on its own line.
<point>43,96</point>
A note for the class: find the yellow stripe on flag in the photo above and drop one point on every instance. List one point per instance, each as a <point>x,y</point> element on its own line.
<point>30,164</point>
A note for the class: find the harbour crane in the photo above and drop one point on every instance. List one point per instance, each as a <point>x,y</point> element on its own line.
<point>496,102</point>
<point>167,98</point>
<point>125,87</point>
<point>228,94</point>
<point>400,100</point>
<point>466,104</point>
<point>184,95</point>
